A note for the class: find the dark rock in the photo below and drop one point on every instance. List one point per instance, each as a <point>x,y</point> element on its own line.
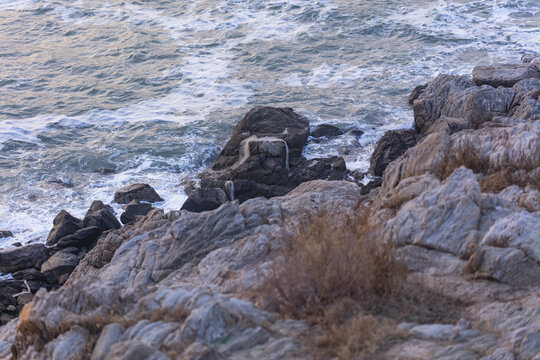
<point>67,184</point>
<point>59,266</point>
<point>106,171</point>
<point>417,91</point>
<point>134,209</point>
<point>280,123</point>
<point>5,234</point>
<point>140,192</point>
<point>81,239</point>
<point>504,74</point>
<point>326,130</point>
<point>101,216</point>
<point>529,58</point>
<point>392,145</point>
<point>355,132</point>
<point>16,244</point>
<point>204,199</point>
<point>64,224</point>
<point>30,256</point>
<point>263,163</point>
<point>29,274</point>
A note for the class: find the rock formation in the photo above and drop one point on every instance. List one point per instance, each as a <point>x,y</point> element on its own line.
<point>462,207</point>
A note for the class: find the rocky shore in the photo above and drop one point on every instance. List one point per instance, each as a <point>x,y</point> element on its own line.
<point>458,197</point>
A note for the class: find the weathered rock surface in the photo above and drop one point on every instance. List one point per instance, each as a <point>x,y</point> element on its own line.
<point>140,192</point>
<point>101,216</point>
<point>504,74</point>
<point>170,285</point>
<point>81,238</point>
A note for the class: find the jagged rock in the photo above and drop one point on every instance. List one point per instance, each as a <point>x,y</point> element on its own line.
<point>280,123</point>
<point>134,209</point>
<point>392,145</point>
<point>140,192</point>
<point>64,224</point>
<point>101,216</point>
<point>504,74</point>
<point>458,97</point>
<point>80,239</point>
<point>5,234</point>
<point>59,266</point>
<point>29,256</point>
<point>326,130</point>
<point>204,199</point>
<point>265,166</point>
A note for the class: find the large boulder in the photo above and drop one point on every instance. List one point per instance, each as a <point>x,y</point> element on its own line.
<point>64,224</point>
<point>25,257</point>
<point>80,239</point>
<point>140,192</point>
<point>204,199</point>
<point>504,74</point>
<point>101,216</point>
<point>280,123</point>
<point>392,145</point>
<point>263,157</point>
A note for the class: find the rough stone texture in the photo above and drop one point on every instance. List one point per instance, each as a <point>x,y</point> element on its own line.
<point>101,216</point>
<point>326,130</point>
<point>140,192</point>
<point>504,74</point>
<point>281,123</point>
<point>204,199</point>
<point>134,209</point>
<point>64,224</point>
<point>25,257</point>
<point>81,238</point>
<point>392,145</point>
<point>59,266</point>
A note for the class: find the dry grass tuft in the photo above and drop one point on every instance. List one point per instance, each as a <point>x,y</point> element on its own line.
<point>330,259</point>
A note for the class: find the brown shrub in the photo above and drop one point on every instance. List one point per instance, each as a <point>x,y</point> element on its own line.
<point>330,259</point>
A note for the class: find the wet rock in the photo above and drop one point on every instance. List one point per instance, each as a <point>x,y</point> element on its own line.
<point>80,239</point>
<point>30,256</point>
<point>326,130</point>
<point>59,266</point>
<point>134,209</point>
<point>64,183</point>
<point>392,145</point>
<point>64,224</point>
<point>140,192</point>
<point>204,199</point>
<point>280,123</point>
<point>5,234</point>
<point>101,216</point>
<point>106,171</point>
<point>355,132</point>
<point>17,244</point>
<point>504,74</point>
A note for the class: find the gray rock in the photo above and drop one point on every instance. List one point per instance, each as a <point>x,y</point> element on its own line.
<point>140,192</point>
<point>504,74</point>
<point>29,256</point>
<point>134,209</point>
<point>110,335</point>
<point>204,199</point>
<point>64,224</point>
<point>392,145</point>
<point>326,130</point>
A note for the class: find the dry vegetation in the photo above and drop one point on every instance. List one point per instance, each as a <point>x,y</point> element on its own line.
<point>339,276</point>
